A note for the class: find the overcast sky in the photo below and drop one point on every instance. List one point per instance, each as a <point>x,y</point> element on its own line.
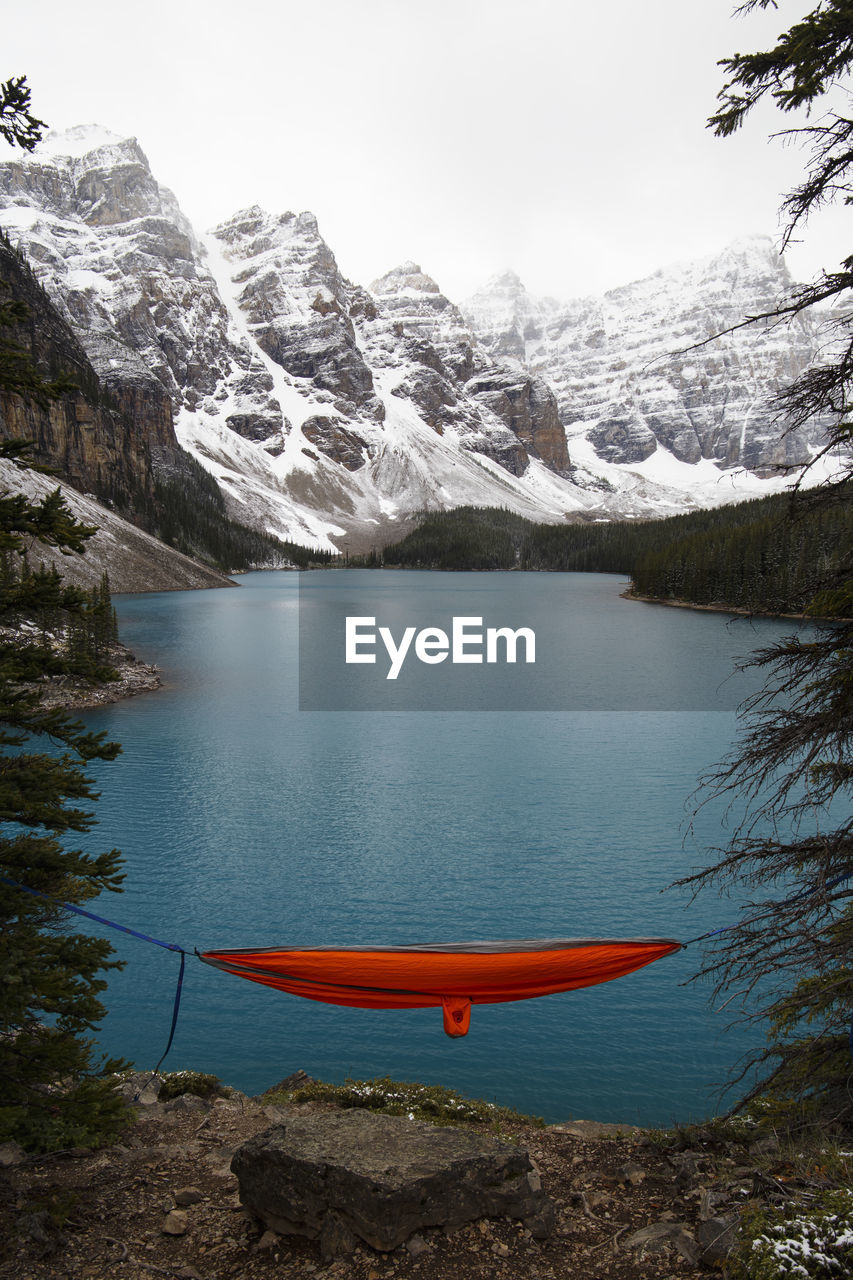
<point>566,140</point>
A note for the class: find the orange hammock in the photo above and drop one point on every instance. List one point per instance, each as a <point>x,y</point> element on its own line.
<point>452,975</point>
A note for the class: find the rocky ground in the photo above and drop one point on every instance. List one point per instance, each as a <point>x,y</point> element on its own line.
<point>630,1205</point>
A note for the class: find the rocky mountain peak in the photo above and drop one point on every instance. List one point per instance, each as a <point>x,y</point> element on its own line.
<point>92,175</point>
<point>748,267</point>
<point>245,222</point>
<point>504,293</point>
<point>78,141</point>
<point>753,251</point>
<point>508,279</point>
<point>659,363</point>
<point>754,263</point>
<point>499,412</point>
<point>408,277</point>
<point>506,317</point>
<point>289,290</point>
<point>307,221</point>
<point>284,267</point>
<point>504,284</point>
<point>278,228</point>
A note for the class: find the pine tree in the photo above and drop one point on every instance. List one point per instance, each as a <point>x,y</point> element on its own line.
<point>17,125</point>
<point>810,60</point>
<point>790,959</point>
<point>51,1094</point>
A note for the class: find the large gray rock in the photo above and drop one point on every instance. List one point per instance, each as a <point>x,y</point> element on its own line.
<point>717,1238</point>
<point>141,1088</point>
<point>382,1178</point>
<point>658,1237</point>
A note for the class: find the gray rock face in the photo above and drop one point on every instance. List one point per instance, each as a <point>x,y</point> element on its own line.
<point>497,408</point>
<point>335,1175</point>
<point>622,436</point>
<point>262,428</point>
<point>298,304</point>
<point>528,407</point>
<point>625,377</point>
<point>333,439</point>
<point>124,268</point>
<point>85,435</point>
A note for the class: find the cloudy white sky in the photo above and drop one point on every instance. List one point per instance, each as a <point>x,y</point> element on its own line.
<point>566,140</point>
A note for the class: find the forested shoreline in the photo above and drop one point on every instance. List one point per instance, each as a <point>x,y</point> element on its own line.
<point>748,556</point>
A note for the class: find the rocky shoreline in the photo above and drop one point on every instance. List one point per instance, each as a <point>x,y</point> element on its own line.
<point>738,610</point>
<point>628,1203</point>
<point>134,677</point>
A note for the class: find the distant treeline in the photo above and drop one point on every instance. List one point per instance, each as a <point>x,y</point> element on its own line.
<point>753,555</point>
<point>186,510</point>
<point>188,513</point>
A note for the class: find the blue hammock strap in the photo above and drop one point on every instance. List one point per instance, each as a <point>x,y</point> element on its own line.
<point>121,928</point>
<point>810,892</point>
<point>90,915</point>
<point>175,1010</point>
<point>174,946</point>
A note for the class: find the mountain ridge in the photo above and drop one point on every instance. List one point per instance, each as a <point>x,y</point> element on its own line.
<point>329,413</point>
<point>662,360</point>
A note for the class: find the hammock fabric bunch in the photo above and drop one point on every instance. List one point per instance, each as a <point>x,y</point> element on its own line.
<point>452,976</point>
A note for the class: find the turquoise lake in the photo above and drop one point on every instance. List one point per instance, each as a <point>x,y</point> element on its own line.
<point>247,821</point>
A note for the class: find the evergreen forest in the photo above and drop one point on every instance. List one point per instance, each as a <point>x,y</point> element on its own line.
<point>749,555</point>
<point>188,513</point>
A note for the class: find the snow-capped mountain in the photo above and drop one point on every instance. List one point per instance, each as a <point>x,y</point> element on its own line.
<point>326,410</point>
<point>499,411</point>
<point>640,369</point>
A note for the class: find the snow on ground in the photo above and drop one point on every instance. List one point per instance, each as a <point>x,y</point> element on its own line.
<point>245,472</point>
<point>669,486</point>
